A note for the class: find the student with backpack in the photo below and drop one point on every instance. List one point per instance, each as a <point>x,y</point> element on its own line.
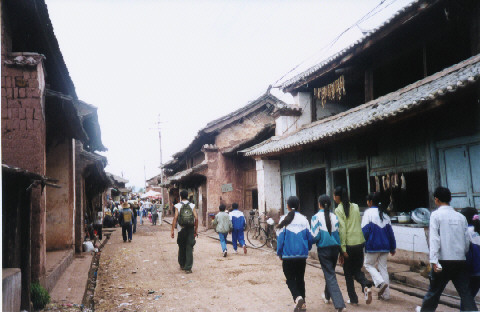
<point>327,239</point>
<point>126,217</point>
<point>239,224</point>
<point>222,225</point>
<point>186,221</point>
<point>294,240</point>
<point>380,240</point>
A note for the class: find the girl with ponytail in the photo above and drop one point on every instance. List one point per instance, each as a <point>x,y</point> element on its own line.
<point>293,243</point>
<point>351,242</point>
<point>380,241</point>
<point>327,239</point>
<point>473,255</point>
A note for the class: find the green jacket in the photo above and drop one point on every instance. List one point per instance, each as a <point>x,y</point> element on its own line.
<point>222,222</point>
<point>350,229</point>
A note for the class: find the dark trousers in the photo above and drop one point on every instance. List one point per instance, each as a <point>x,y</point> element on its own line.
<point>127,227</point>
<point>474,285</point>
<point>455,271</point>
<point>328,257</point>
<point>154,218</point>
<point>134,224</point>
<point>186,241</point>
<point>353,270</point>
<point>294,270</point>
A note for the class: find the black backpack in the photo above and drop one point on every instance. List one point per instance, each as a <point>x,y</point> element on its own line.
<point>186,217</point>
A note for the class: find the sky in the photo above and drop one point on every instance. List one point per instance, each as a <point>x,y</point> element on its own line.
<point>185,63</point>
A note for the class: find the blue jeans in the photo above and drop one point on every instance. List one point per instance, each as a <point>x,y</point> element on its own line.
<point>223,240</point>
<point>237,234</point>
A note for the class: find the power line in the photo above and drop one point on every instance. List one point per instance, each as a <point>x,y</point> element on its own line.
<point>364,18</point>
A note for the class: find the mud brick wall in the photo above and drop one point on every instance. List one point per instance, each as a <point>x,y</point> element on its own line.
<point>23,137</point>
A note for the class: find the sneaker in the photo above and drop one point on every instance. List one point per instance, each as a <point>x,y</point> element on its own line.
<point>235,251</point>
<point>188,271</point>
<point>418,309</point>
<point>299,302</point>
<point>348,301</point>
<point>325,300</point>
<point>225,253</point>
<point>129,240</point>
<point>383,287</point>
<point>368,294</point>
<point>245,249</point>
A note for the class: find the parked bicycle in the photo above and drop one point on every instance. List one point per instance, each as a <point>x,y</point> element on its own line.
<point>258,236</point>
<point>251,218</point>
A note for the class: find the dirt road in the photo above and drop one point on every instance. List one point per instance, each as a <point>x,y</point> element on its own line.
<point>144,276</point>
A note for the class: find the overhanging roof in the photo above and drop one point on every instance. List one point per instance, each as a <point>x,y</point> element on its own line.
<point>383,108</point>
<point>401,17</point>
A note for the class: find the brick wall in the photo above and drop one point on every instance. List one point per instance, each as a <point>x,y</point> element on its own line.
<point>23,136</point>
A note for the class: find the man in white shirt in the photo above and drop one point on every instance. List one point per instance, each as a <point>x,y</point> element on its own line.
<point>186,234</point>
<point>449,243</point>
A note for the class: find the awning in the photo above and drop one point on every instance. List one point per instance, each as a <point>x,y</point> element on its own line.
<point>384,108</point>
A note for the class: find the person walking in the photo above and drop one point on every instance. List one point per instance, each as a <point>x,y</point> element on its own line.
<point>326,237</point>
<point>294,240</point>
<point>160,213</point>
<point>352,243</point>
<point>126,216</point>
<point>379,241</point>
<point>238,222</point>
<point>187,227</point>
<point>140,212</point>
<point>222,225</point>
<point>154,212</point>
<point>473,255</point>
<point>135,214</point>
<point>449,244</point>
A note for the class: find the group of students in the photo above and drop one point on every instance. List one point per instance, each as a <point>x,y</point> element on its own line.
<point>233,222</point>
<point>343,235</point>
<point>339,235</point>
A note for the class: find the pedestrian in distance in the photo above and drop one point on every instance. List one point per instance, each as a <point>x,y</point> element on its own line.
<point>379,241</point>
<point>352,243</point>
<point>294,240</point>
<point>135,214</point>
<point>186,221</point>
<point>239,224</point>
<point>222,225</point>
<point>154,213</point>
<point>326,237</point>
<point>140,212</point>
<point>159,213</point>
<point>449,244</point>
<point>473,255</point>
<point>126,217</point>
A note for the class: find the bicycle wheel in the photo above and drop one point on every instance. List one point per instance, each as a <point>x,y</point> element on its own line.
<point>257,237</point>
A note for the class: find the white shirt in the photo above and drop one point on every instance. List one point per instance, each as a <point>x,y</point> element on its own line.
<point>179,206</point>
<point>449,238</point>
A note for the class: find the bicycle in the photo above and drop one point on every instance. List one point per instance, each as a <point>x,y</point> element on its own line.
<point>258,237</point>
<point>251,218</point>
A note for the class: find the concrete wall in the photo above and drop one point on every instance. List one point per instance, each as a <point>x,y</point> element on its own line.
<point>11,289</point>
<point>60,202</point>
<point>289,124</point>
<point>269,187</point>
<point>23,136</point>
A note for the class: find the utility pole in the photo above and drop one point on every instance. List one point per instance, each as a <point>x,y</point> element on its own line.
<point>161,160</point>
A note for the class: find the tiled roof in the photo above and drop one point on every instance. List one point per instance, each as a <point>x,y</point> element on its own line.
<point>414,7</point>
<point>24,59</point>
<point>382,108</point>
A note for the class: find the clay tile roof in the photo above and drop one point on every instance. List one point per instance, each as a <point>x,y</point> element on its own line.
<point>386,107</point>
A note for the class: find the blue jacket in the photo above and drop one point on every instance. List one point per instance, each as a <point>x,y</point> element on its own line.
<point>320,231</point>
<point>378,234</point>
<point>295,240</point>
<point>473,255</point>
<point>238,219</point>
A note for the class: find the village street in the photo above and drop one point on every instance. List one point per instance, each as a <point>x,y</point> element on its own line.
<point>144,276</point>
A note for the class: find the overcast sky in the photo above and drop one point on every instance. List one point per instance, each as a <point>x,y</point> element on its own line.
<point>190,62</point>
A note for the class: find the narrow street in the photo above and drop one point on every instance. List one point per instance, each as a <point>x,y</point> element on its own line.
<point>129,272</point>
